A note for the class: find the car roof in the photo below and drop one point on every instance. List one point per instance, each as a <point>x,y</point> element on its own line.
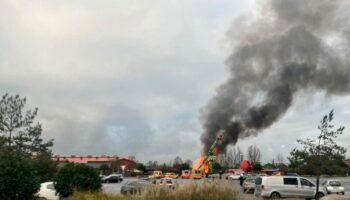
<point>47,183</point>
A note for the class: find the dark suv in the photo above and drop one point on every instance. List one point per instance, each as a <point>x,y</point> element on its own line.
<point>113,178</point>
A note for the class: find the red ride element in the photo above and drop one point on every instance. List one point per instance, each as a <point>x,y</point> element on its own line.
<point>246,166</point>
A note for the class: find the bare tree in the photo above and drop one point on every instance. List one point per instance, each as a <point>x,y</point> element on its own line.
<point>189,163</point>
<point>233,156</point>
<point>177,160</point>
<point>279,158</point>
<point>221,159</point>
<point>238,158</point>
<point>253,154</point>
<point>152,163</point>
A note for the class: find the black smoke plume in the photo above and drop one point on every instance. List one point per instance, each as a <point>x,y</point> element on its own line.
<point>283,48</point>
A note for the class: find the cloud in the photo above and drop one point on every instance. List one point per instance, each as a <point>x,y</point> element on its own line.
<point>125,78</point>
<point>117,77</point>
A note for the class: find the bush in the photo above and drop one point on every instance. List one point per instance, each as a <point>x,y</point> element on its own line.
<point>44,166</point>
<point>77,177</point>
<point>18,180</point>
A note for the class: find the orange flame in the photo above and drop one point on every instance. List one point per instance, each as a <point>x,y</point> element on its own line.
<point>198,162</point>
<point>205,166</point>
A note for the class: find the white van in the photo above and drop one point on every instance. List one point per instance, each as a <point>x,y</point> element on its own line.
<point>276,187</point>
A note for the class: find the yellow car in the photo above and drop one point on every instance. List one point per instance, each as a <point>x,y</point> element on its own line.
<point>197,174</point>
<point>171,175</point>
<point>157,175</point>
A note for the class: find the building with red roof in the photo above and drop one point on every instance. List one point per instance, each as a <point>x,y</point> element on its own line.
<point>96,161</point>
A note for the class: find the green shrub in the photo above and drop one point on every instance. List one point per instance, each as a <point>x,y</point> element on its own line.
<point>18,180</point>
<point>77,177</point>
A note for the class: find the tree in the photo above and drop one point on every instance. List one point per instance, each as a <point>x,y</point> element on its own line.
<point>141,167</point>
<point>253,154</point>
<point>104,168</point>
<point>233,156</point>
<point>25,157</point>
<point>257,167</point>
<point>44,167</point>
<point>217,167</point>
<point>18,179</point>
<point>79,177</point>
<point>183,166</point>
<point>279,158</point>
<point>17,127</point>
<point>177,161</point>
<point>152,163</point>
<point>189,163</point>
<point>321,155</point>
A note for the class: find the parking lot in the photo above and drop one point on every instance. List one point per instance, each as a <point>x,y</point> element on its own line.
<point>114,188</point>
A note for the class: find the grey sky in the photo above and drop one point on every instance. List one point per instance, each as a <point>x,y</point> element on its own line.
<point>130,77</point>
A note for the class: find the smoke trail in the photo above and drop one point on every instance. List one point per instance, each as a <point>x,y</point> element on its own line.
<point>285,47</point>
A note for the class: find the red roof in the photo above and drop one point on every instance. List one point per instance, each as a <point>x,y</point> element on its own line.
<point>84,159</point>
<point>347,162</point>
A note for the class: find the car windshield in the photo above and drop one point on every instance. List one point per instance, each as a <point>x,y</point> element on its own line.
<point>258,181</point>
<point>334,183</point>
<point>50,186</point>
<point>250,180</point>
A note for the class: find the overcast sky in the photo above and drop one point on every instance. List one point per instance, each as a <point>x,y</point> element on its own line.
<point>130,77</point>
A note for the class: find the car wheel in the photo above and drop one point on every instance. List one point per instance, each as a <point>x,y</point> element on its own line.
<point>319,196</point>
<point>275,195</point>
<point>342,193</point>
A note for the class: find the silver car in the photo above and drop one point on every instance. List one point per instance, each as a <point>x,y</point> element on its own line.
<point>134,187</point>
<point>249,185</point>
<point>276,187</point>
<point>333,186</point>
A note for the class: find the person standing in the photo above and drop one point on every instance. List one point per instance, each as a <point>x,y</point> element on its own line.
<point>241,180</point>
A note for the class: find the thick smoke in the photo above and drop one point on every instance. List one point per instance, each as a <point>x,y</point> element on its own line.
<point>284,48</point>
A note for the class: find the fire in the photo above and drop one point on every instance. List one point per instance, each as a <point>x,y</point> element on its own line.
<point>205,166</point>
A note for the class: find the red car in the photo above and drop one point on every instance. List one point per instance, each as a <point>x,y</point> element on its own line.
<point>186,174</point>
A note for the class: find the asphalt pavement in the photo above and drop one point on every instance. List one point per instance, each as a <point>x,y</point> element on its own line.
<point>114,188</point>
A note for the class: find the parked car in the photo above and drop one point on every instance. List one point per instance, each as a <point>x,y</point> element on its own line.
<point>157,175</point>
<point>333,186</point>
<point>113,178</point>
<point>47,191</point>
<point>291,174</point>
<point>186,174</point>
<point>168,182</point>
<point>134,187</point>
<point>276,187</point>
<point>213,176</point>
<point>171,175</point>
<point>234,176</point>
<point>249,184</point>
<point>198,174</point>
